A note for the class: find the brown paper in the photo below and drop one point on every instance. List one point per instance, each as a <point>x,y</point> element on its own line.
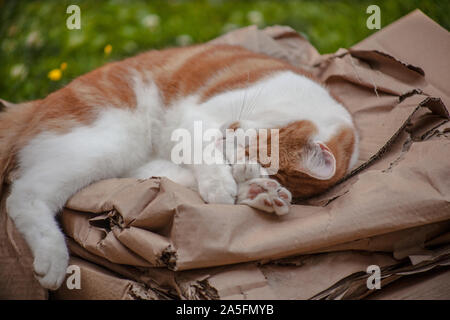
<point>392,211</point>
<point>97,283</point>
<point>428,286</point>
<point>337,275</point>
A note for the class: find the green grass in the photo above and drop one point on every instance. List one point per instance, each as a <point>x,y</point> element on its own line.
<point>34,38</point>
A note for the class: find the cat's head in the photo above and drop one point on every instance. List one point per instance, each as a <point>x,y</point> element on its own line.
<point>307,166</point>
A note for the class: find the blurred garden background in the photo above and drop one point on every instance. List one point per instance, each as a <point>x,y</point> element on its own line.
<point>38,54</point>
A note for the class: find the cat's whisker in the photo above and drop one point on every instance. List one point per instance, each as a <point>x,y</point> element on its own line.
<point>253,102</point>
<point>243,104</point>
<point>234,111</point>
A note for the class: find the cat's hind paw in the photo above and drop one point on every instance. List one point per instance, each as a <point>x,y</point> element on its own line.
<point>265,194</point>
<point>50,264</point>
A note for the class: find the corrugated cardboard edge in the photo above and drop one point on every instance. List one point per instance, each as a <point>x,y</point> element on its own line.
<point>355,286</point>
<point>249,281</point>
<point>434,104</point>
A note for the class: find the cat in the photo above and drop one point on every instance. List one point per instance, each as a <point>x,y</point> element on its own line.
<point>117,121</point>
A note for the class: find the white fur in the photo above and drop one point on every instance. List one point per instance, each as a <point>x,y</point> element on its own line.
<point>137,143</point>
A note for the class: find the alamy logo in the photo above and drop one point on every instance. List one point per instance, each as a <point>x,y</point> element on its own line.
<point>212,146</point>
<point>73,281</point>
<point>374,20</point>
<point>373,281</point>
<point>74,20</point>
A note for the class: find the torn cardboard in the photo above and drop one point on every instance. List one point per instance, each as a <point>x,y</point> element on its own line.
<point>340,274</point>
<point>393,210</point>
<point>98,283</point>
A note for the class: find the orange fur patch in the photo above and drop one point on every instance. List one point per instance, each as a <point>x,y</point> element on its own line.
<point>300,184</point>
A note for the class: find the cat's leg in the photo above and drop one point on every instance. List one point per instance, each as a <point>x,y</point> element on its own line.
<point>51,172</point>
<point>52,167</point>
<point>257,190</point>
<point>215,183</point>
<point>33,211</point>
<point>165,168</point>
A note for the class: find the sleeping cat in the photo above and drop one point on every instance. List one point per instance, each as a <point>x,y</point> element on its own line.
<point>117,121</point>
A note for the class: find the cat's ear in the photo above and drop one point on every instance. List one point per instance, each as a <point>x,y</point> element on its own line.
<point>317,161</point>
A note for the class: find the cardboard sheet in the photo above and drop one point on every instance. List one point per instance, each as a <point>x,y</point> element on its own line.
<point>98,283</point>
<point>161,241</point>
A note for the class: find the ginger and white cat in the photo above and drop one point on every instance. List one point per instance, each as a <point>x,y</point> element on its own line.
<point>116,121</point>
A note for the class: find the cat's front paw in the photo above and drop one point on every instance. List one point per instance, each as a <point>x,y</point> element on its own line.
<point>265,194</point>
<point>50,262</point>
<point>218,189</point>
<point>246,171</point>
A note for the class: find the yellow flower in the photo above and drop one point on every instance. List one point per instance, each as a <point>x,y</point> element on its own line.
<point>55,75</point>
<point>63,66</point>
<point>108,49</point>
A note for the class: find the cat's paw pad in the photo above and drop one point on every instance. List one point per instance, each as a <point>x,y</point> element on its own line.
<point>50,265</point>
<point>265,194</point>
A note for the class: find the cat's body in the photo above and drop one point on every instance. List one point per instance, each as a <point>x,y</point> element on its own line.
<point>117,121</point>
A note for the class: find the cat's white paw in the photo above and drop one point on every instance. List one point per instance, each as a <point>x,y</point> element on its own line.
<point>265,194</point>
<point>246,171</point>
<point>50,262</point>
<point>218,189</point>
